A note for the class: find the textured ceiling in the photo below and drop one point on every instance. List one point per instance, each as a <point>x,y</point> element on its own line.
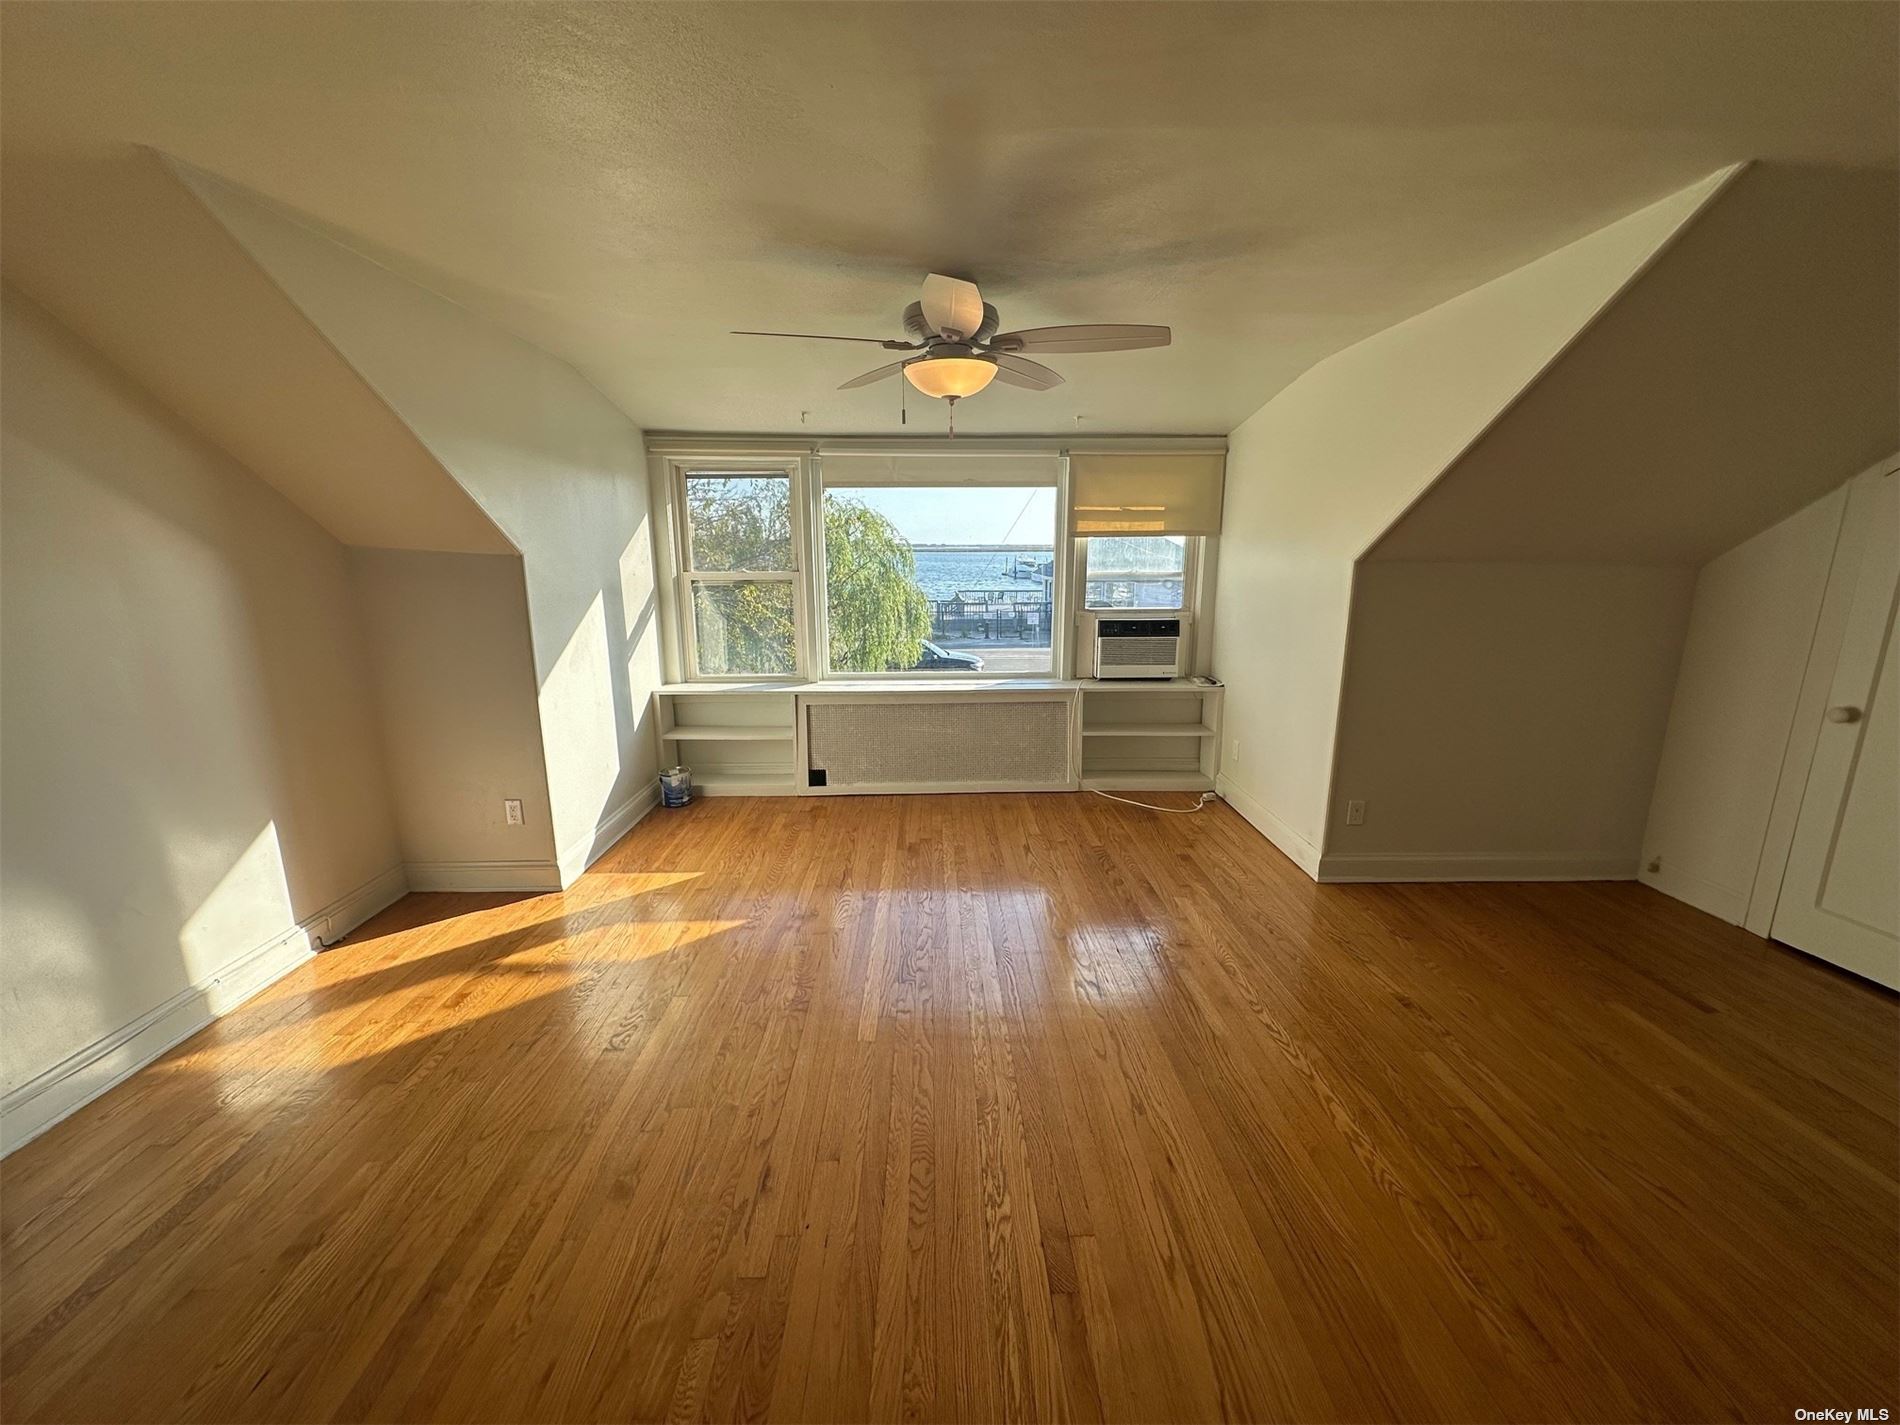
<point>621,183</point>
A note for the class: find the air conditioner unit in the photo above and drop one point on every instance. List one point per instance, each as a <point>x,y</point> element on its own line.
<point>1132,645</point>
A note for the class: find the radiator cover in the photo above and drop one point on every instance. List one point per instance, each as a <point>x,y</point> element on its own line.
<point>958,742</point>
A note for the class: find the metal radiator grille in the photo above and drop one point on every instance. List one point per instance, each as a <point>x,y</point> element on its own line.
<point>1016,742</point>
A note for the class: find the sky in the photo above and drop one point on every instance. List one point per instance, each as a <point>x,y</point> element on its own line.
<point>967,514</point>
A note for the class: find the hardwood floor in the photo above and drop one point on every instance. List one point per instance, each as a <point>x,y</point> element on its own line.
<point>984,1108</point>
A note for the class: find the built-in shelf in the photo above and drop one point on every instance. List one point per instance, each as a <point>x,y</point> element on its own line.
<point>743,739</point>
<point>729,690</point>
<point>1147,782</point>
<point>736,739</point>
<point>1159,736</point>
<point>1148,729</point>
<point>735,782</point>
<point>731,733</point>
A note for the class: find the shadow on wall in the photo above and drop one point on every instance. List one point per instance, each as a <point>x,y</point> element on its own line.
<point>188,772</point>
<point>558,468</point>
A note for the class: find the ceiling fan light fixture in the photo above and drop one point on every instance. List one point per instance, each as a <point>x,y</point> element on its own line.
<point>950,377</point>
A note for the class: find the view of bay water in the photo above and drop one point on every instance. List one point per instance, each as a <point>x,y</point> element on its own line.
<point>945,572</point>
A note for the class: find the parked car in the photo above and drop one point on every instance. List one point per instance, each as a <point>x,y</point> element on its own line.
<point>941,660</point>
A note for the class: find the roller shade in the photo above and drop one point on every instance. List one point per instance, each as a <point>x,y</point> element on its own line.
<point>851,469</point>
<point>1145,494</point>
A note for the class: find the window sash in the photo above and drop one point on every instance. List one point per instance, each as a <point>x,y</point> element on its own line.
<point>689,473</point>
<point>689,624</point>
<point>1190,557</point>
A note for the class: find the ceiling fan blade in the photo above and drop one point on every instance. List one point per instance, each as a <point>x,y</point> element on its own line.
<point>1110,336</point>
<point>872,376</point>
<point>952,306</point>
<point>814,336</point>
<point>1030,375</point>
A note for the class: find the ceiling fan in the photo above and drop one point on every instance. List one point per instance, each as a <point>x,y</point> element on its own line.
<point>960,351</point>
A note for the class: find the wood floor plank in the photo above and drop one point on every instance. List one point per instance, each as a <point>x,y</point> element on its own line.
<point>984,1108</point>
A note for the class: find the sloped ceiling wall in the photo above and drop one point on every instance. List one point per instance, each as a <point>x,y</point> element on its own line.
<point>1318,472</point>
<point>555,464</point>
<point>189,316</point>
<point>1514,637</point>
<point>1754,368</point>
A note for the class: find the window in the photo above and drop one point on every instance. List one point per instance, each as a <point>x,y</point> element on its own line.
<point>1136,572</point>
<point>939,578</point>
<point>741,575</point>
<point>854,560</point>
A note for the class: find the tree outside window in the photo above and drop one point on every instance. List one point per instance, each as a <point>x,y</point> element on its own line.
<point>740,523</point>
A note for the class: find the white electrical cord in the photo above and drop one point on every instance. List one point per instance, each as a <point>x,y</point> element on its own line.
<point>1206,797</point>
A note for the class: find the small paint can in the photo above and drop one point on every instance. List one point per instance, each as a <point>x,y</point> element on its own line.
<point>676,787</point>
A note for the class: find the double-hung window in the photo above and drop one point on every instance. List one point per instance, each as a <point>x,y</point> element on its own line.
<point>739,582</point>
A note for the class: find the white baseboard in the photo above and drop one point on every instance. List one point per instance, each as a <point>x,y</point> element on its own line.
<point>1475,866</point>
<point>483,875</point>
<point>536,875</point>
<point>83,1075</point>
<point>615,824</point>
<point>1723,902</point>
<point>1298,849</point>
<point>346,912</point>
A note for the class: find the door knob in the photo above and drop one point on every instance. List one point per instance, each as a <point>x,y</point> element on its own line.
<point>1843,714</point>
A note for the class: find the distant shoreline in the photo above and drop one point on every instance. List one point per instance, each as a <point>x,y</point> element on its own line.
<point>986,548</point>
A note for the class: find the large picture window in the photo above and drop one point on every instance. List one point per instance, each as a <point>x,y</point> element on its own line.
<point>857,560</point>
<point>1136,572</point>
<point>940,579</point>
<point>741,573</point>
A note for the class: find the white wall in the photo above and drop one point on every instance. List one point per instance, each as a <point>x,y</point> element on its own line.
<point>1502,721</point>
<point>190,767</point>
<point>1751,626</point>
<point>454,694</point>
<point>1320,471</point>
<point>556,466</point>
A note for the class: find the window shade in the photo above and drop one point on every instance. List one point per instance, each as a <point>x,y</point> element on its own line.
<point>1145,494</point>
<point>855,469</point>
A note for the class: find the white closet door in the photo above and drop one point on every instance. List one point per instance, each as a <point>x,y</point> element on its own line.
<point>1840,898</point>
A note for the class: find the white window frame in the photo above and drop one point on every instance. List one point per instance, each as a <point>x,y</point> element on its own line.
<point>671,456</point>
<point>678,526</point>
<point>1061,596</point>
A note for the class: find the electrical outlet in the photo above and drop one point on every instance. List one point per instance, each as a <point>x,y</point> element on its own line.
<point>511,809</point>
<point>1355,813</point>
<point>1233,750</point>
